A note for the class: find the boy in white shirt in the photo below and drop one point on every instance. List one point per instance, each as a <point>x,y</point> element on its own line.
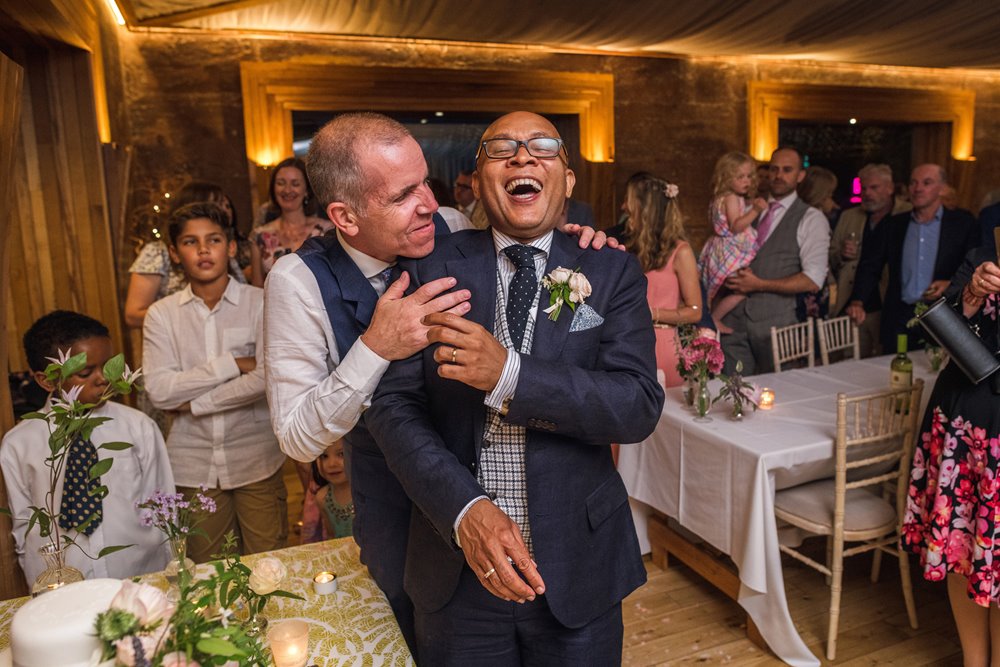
<point>137,472</point>
<point>202,357</point>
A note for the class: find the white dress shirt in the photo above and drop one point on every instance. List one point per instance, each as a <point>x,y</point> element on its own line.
<point>136,474</point>
<point>316,392</point>
<point>813,237</point>
<point>189,355</point>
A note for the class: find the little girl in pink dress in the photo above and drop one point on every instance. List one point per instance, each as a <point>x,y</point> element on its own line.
<point>735,242</point>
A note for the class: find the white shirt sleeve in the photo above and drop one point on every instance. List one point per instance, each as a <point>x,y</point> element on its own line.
<point>315,396</point>
<point>168,386</point>
<point>243,389</point>
<point>814,245</point>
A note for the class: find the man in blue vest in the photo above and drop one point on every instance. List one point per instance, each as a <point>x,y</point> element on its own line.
<point>334,319</point>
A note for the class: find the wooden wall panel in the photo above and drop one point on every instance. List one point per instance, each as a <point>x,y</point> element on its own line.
<point>11,81</point>
<point>62,253</point>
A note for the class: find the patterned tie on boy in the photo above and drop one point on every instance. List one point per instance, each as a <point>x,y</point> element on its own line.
<point>77,502</point>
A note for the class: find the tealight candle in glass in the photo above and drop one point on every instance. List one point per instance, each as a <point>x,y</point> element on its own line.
<point>289,642</point>
<point>325,583</point>
<point>766,399</point>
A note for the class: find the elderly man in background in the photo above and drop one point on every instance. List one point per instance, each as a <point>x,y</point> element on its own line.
<point>922,250</point>
<point>855,227</point>
<point>792,240</point>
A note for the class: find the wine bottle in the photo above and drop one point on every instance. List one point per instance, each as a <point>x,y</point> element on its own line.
<point>901,371</point>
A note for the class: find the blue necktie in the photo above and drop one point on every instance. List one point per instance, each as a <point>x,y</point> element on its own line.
<point>78,502</point>
<point>523,287</point>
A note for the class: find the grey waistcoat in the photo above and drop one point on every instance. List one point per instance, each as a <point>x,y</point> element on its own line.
<point>778,258</point>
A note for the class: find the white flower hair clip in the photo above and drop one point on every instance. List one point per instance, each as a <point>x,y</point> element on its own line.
<point>671,190</point>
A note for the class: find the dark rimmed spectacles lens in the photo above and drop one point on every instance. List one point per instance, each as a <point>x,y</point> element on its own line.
<point>542,147</point>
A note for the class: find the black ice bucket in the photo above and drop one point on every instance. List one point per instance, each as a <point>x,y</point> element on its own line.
<point>952,332</point>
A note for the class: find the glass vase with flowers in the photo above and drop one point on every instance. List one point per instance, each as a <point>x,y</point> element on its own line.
<point>700,360</point>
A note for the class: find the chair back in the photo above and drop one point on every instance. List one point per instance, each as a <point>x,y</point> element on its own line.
<point>839,333</point>
<point>874,443</point>
<point>796,341</point>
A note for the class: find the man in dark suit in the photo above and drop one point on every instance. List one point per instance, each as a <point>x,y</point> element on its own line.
<point>332,321</point>
<point>499,430</point>
<point>922,249</point>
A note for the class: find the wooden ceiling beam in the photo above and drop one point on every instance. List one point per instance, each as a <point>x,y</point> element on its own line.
<point>172,19</point>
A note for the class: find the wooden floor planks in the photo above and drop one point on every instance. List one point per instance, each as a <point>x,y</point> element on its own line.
<point>677,618</point>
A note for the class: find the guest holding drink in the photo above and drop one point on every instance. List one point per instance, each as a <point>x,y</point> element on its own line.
<point>953,510</point>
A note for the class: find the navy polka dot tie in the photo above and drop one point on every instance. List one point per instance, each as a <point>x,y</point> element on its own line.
<point>522,291</point>
<point>77,502</point>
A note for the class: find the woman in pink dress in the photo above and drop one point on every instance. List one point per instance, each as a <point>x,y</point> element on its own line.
<point>655,228</point>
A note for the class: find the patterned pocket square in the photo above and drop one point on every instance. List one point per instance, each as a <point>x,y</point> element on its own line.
<point>585,318</point>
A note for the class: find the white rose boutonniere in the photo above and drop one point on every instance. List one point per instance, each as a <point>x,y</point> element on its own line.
<point>565,286</point>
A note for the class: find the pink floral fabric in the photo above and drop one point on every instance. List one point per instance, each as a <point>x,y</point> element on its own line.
<point>725,253</point>
<point>952,518</point>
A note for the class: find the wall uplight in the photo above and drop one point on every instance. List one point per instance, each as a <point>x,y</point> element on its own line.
<point>113,6</point>
<point>853,121</point>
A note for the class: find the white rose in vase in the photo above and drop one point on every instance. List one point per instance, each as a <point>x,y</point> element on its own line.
<point>266,574</point>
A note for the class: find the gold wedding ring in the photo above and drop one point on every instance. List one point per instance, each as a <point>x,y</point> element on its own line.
<point>490,573</point>
<point>981,282</point>
<point>454,355</point>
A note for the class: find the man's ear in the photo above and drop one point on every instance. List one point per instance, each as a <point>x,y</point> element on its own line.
<point>343,218</point>
<point>174,257</point>
<point>43,382</point>
<point>475,183</point>
<point>231,251</point>
<point>802,175</point>
<point>570,182</point>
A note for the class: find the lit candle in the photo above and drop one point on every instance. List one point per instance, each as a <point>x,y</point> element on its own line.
<point>289,643</point>
<point>766,399</point>
<point>325,583</point>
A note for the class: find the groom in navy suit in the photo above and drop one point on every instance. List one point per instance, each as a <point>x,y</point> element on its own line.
<point>521,544</point>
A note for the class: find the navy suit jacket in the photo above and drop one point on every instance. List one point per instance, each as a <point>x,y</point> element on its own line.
<point>959,234</point>
<point>570,397</point>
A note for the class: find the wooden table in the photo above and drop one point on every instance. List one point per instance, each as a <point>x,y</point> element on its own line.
<point>351,627</point>
<point>718,479</point>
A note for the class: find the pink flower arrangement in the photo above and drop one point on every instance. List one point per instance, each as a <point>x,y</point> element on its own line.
<point>701,359</point>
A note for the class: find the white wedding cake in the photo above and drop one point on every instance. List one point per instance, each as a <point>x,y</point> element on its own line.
<point>56,629</point>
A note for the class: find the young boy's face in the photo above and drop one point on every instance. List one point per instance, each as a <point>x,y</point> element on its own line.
<point>203,251</point>
<point>91,378</point>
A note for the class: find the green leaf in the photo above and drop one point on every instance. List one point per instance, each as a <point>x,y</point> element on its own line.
<point>216,646</point>
<point>285,594</point>
<point>110,550</point>
<point>44,524</point>
<point>100,492</point>
<point>90,424</point>
<point>90,519</point>
<point>35,415</point>
<point>114,368</point>
<point>73,365</point>
<point>116,446</point>
<point>100,468</point>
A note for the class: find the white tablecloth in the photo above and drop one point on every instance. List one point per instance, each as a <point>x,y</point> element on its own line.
<point>718,479</point>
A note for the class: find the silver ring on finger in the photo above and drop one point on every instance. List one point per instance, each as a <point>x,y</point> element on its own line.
<point>489,573</point>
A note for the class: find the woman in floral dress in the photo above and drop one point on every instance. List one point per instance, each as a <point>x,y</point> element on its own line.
<point>290,193</point>
<point>953,512</point>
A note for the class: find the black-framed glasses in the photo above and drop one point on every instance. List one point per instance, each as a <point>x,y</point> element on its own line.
<point>502,149</point>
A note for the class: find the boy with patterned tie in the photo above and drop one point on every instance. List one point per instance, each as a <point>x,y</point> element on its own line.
<point>135,474</point>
